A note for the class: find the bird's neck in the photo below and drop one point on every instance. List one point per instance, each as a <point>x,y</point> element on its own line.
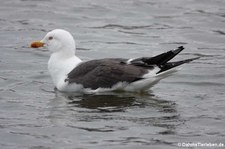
<point>65,53</point>
<point>60,64</point>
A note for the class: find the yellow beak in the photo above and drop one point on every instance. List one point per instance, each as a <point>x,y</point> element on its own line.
<point>36,44</point>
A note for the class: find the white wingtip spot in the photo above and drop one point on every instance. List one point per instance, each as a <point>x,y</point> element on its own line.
<point>152,72</point>
<point>129,61</point>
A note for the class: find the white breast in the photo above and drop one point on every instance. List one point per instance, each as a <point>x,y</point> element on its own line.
<point>59,67</point>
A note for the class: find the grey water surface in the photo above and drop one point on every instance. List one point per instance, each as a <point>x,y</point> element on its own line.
<point>187,107</point>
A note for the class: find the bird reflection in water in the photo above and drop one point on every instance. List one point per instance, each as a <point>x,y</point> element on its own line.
<point>153,111</point>
<point>107,103</point>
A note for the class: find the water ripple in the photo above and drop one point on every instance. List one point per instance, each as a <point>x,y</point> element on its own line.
<point>112,26</point>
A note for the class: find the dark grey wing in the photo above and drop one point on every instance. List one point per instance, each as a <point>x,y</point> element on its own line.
<point>105,73</point>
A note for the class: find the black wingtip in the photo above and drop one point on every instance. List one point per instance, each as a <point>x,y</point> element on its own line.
<point>171,65</point>
<point>197,58</point>
<point>178,50</point>
<point>191,59</point>
<point>181,47</point>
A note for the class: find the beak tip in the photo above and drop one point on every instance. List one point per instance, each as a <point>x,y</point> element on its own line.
<point>36,44</point>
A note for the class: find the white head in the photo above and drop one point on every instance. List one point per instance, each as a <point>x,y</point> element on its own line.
<point>57,40</point>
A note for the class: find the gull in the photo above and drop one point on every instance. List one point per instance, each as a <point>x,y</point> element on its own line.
<point>70,74</point>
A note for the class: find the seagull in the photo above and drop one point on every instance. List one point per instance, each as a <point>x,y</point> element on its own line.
<point>70,74</point>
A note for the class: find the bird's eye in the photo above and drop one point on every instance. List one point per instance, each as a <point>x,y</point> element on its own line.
<point>50,38</point>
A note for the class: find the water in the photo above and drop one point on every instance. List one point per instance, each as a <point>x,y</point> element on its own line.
<point>186,107</point>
